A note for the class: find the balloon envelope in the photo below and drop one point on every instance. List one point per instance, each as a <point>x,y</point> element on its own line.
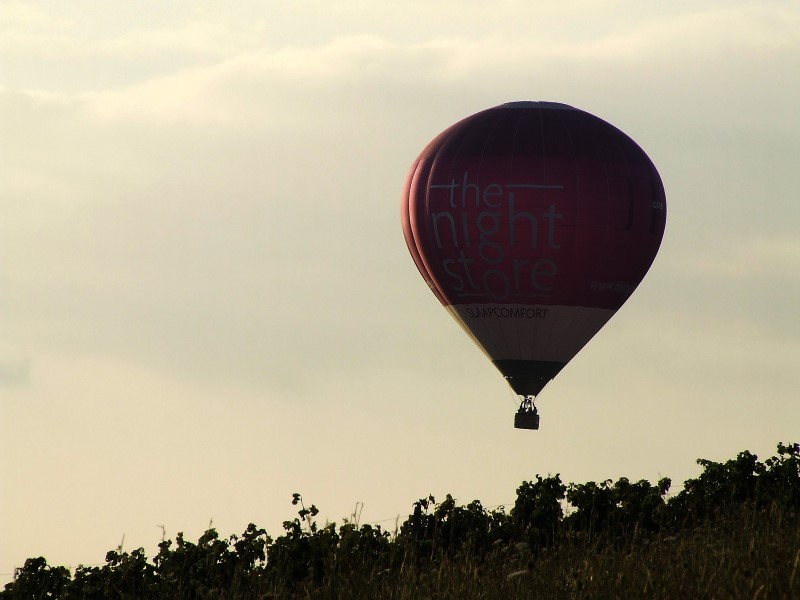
<point>532,223</point>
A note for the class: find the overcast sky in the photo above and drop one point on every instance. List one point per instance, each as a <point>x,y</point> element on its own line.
<point>206,301</point>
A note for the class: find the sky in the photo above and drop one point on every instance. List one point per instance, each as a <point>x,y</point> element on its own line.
<point>206,301</point>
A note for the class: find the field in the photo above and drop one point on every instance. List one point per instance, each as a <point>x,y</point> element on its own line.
<point>753,556</point>
<point>733,532</point>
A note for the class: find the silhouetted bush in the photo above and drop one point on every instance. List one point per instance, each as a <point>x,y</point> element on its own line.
<point>606,542</point>
<point>537,512</point>
<point>617,511</point>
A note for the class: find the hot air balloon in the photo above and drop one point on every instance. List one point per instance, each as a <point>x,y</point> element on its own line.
<point>533,223</point>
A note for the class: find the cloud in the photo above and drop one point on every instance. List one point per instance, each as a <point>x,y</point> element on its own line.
<point>237,216</point>
<point>15,14</point>
<point>756,257</point>
<point>14,372</point>
<point>233,70</point>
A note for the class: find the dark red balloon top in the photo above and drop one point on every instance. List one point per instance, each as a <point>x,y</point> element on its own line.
<point>533,203</point>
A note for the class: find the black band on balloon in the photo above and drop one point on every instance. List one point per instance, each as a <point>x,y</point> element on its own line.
<point>528,377</point>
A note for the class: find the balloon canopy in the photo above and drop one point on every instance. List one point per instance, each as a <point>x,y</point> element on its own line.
<point>532,223</point>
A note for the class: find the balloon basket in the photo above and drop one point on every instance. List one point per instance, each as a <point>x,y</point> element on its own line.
<point>526,421</point>
<point>527,416</point>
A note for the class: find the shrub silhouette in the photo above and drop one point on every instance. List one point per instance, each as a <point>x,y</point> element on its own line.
<point>37,579</point>
<point>537,512</point>
<point>617,510</point>
<point>308,559</point>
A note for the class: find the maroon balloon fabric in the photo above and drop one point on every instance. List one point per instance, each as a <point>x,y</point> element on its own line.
<point>533,222</point>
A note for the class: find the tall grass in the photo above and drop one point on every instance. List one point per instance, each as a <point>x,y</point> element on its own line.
<point>753,554</point>
<point>733,532</point>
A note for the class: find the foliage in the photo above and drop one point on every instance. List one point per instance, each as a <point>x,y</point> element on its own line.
<point>36,579</point>
<point>734,529</point>
<point>743,480</point>
<point>617,510</point>
<point>537,511</point>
